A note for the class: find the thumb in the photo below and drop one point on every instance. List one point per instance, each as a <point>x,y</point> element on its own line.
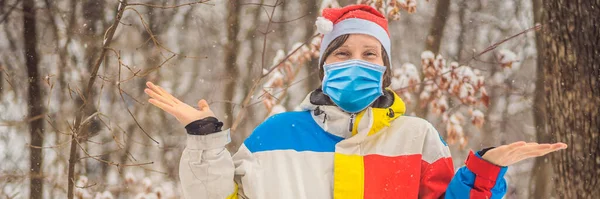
<point>203,105</point>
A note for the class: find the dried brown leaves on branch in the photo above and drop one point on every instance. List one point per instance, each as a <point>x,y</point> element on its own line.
<point>463,83</point>
<point>392,8</point>
<point>286,69</point>
<point>442,83</point>
<point>297,53</point>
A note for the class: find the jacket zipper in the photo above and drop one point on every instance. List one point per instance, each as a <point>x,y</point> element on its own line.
<point>352,116</point>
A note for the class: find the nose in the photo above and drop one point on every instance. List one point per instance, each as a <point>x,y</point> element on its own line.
<point>358,55</point>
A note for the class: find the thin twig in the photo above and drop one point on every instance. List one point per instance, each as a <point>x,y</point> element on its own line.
<point>8,79</point>
<point>241,114</point>
<point>495,45</point>
<point>147,28</point>
<point>136,100</point>
<point>48,147</point>
<point>129,111</point>
<point>288,56</point>
<point>26,120</point>
<point>9,11</point>
<point>285,88</point>
<point>266,34</point>
<point>257,4</point>
<point>474,57</point>
<point>157,67</point>
<point>118,165</point>
<point>292,19</point>
<point>107,41</point>
<point>168,7</point>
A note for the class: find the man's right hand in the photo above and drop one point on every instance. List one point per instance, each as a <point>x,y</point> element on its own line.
<point>184,113</point>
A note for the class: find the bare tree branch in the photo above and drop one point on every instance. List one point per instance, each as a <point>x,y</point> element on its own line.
<point>168,7</point>
<point>107,40</point>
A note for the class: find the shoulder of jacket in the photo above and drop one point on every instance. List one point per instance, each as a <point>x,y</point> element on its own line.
<point>284,119</point>
<point>412,122</point>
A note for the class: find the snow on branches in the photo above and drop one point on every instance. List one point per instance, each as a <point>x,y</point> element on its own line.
<point>463,82</point>
<point>442,82</point>
<point>391,8</point>
<point>506,58</point>
<point>286,67</point>
<point>407,76</point>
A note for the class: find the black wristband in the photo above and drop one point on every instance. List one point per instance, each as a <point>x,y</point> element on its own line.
<point>204,126</point>
<point>483,151</point>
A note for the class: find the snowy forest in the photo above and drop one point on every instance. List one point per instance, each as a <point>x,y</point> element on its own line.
<point>75,122</point>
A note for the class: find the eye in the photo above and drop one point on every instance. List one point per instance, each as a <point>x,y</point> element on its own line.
<point>342,53</point>
<point>370,54</point>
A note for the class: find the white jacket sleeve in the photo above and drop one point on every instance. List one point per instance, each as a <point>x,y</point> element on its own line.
<point>206,168</point>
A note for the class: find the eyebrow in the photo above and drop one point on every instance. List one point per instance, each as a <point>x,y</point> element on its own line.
<point>366,46</point>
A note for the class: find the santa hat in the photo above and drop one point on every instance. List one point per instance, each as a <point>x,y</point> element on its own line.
<point>354,19</point>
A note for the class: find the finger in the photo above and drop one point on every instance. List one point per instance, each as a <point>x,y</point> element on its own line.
<point>203,105</point>
<point>533,150</point>
<point>514,149</point>
<point>513,146</point>
<point>153,87</point>
<point>535,146</point>
<point>505,149</point>
<point>158,97</point>
<point>157,89</point>
<point>169,96</point>
<point>536,153</point>
<point>153,94</point>
<point>161,91</point>
<point>555,147</point>
<point>161,105</point>
<point>517,146</point>
<point>560,145</point>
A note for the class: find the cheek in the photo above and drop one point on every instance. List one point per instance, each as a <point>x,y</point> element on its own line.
<point>332,59</point>
<point>377,60</point>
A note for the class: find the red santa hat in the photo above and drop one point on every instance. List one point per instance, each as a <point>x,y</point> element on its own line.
<point>353,19</point>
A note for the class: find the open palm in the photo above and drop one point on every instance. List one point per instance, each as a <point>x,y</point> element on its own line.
<point>506,155</point>
<point>184,113</point>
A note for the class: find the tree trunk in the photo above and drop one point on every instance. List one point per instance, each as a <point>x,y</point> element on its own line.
<point>35,105</point>
<point>572,58</point>
<point>436,31</point>
<point>540,184</point>
<point>462,12</point>
<point>231,69</point>
<point>1,79</point>
<point>313,81</point>
<point>432,43</point>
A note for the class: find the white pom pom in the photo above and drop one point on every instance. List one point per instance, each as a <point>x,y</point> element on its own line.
<point>324,26</point>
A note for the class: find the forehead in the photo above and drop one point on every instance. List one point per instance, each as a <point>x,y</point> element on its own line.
<point>362,40</point>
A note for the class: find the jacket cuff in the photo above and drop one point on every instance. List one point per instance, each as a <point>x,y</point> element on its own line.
<point>210,141</point>
<point>483,151</point>
<point>204,126</point>
<point>484,169</point>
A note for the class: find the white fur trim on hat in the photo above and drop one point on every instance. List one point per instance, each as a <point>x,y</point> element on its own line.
<point>324,26</point>
<point>357,26</point>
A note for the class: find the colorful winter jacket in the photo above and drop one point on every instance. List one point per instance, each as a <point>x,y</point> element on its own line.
<point>323,152</point>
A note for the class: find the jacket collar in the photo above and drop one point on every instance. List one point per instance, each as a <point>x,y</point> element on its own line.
<point>343,124</point>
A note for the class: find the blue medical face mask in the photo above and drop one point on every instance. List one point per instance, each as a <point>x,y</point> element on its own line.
<point>353,84</point>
